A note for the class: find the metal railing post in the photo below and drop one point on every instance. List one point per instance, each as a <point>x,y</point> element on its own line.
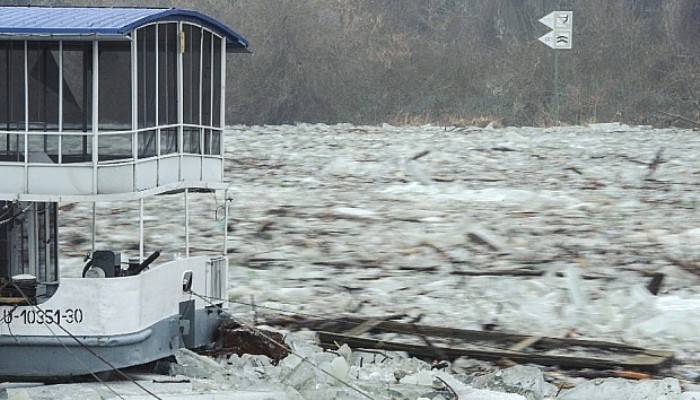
<point>60,101</point>
<point>187,223</point>
<point>26,120</point>
<point>225,222</point>
<point>94,226</point>
<point>134,105</point>
<point>95,112</point>
<point>141,229</point>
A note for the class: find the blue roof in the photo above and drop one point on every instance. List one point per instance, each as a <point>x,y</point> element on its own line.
<point>102,21</point>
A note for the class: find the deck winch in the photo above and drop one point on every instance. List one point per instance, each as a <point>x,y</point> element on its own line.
<point>107,264</point>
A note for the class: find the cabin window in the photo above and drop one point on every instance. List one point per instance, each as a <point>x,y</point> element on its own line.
<point>216,143</point>
<point>147,144</point>
<point>77,86</point>
<point>77,102</point>
<point>28,242</point>
<point>43,149</point>
<point>212,142</point>
<point>50,72</point>
<point>114,86</point>
<point>12,100</point>
<point>168,141</point>
<point>146,58</point>
<point>12,147</point>
<point>12,117</point>
<point>216,72</point>
<point>42,64</point>
<point>43,75</point>
<point>191,140</point>
<point>46,243</point>
<point>206,78</point>
<point>207,141</point>
<point>167,87</point>
<point>114,147</point>
<point>4,84</point>
<point>167,74</point>
<point>76,148</point>
<point>191,61</point>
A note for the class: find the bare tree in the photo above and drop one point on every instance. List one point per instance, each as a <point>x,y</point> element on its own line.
<point>437,60</point>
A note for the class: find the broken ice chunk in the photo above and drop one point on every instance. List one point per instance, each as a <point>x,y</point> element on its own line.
<point>621,389</point>
<point>527,381</point>
<point>423,378</point>
<point>339,368</point>
<point>346,352</point>
<point>193,365</point>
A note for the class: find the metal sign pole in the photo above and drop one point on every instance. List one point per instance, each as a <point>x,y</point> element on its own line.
<point>559,38</point>
<point>556,79</point>
<point>556,87</point>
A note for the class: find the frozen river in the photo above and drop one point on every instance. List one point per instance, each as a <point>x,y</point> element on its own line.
<point>391,220</point>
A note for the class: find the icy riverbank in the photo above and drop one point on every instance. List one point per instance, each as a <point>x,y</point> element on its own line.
<point>311,374</point>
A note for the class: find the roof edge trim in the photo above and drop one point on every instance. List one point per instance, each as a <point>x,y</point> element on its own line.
<point>235,41</point>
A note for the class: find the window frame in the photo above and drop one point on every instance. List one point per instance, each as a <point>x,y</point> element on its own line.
<point>210,71</point>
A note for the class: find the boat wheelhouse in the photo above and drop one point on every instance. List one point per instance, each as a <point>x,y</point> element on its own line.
<point>106,105</point>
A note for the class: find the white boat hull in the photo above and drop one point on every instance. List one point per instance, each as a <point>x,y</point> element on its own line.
<point>116,322</point>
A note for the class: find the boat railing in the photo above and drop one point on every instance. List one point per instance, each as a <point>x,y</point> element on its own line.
<point>110,162</point>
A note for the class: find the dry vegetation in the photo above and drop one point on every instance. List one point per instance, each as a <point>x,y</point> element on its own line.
<point>370,61</point>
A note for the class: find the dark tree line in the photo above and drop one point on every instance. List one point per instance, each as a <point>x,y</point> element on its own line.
<point>454,61</point>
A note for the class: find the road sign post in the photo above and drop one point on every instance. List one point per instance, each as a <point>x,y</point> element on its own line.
<point>561,24</point>
<point>560,37</point>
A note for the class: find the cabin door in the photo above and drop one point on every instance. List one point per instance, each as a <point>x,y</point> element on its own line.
<point>28,240</point>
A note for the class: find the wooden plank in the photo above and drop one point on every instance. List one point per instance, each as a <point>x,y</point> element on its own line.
<point>485,345</point>
<point>364,327</point>
<point>544,342</point>
<point>344,324</point>
<point>651,360</point>
<point>524,344</point>
<point>12,300</point>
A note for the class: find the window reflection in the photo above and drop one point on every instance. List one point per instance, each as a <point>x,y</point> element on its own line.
<point>42,64</point>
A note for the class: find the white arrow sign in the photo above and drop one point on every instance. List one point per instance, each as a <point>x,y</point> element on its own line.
<point>562,25</point>
<point>558,40</point>
<point>559,20</point>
